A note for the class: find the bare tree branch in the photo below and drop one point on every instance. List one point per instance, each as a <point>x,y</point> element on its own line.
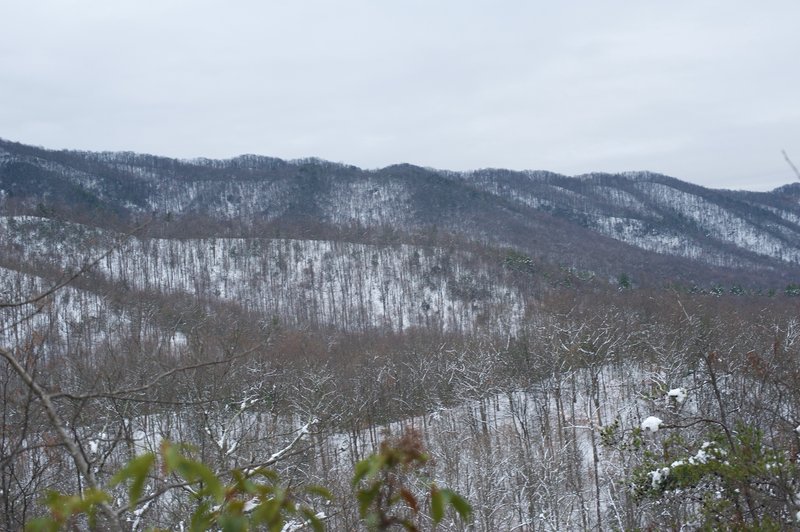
<point>125,393</point>
<point>277,456</point>
<point>155,495</point>
<point>72,446</point>
<point>794,168</point>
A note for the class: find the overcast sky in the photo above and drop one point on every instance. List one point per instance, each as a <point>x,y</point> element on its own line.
<point>706,91</point>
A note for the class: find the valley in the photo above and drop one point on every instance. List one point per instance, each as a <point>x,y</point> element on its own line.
<point>523,324</point>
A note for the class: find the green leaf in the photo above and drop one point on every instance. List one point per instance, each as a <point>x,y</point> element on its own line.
<point>267,512</point>
<point>319,491</point>
<point>136,470</point>
<point>369,467</point>
<point>361,470</point>
<point>201,519</point>
<point>365,498</point>
<point>192,471</point>
<point>234,507</point>
<point>85,503</point>
<point>437,504</point>
<point>269,474</point>
<point>212,484</point>
<point>460,504</point>
<point>232,523</point>
<point>89,502</point>
<point>172,456</point>
<point>41,524</point>
<point>440,498</point>
<point>312,519</point>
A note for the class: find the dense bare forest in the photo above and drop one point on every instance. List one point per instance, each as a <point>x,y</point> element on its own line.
<point>611,352</point>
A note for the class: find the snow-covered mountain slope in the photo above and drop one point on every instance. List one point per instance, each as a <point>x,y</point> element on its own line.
<point>74,320</point>
<point>658,213</point>
<point>348,285</point>
<point>640,221</point>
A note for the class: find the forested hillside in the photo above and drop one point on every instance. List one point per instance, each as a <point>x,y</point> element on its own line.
<point>592,352</point>
<point>642,222</point>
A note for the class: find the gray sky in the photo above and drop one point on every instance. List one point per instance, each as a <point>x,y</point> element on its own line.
<point>706,91</point>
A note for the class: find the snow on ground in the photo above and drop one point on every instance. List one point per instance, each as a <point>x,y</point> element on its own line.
<point>487,449</point>
<point>70,319</point>
<point>720,223</point>
<point>349,285</point>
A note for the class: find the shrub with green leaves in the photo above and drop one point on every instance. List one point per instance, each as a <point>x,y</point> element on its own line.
<point>391,482</point>
<point>389,489</point>
<point>250,500</point>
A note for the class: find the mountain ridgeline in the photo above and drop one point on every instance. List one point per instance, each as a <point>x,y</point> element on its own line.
<point>651,226</point>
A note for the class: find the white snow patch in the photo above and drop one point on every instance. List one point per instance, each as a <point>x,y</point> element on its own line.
<point>291,526</point>
<point>679,394</point>
<point>652,424</point>
<point>700,458</point>
<point>657,476</point>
